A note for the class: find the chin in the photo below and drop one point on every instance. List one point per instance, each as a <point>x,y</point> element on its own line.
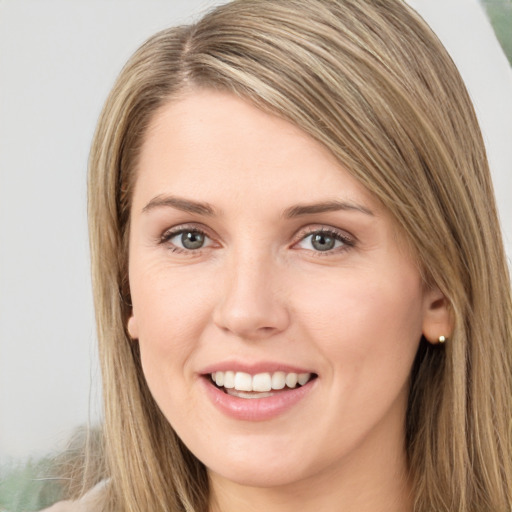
<point>264,464</point>
<point>262,476</point>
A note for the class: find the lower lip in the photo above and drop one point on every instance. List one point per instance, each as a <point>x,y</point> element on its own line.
<point>256,409</point>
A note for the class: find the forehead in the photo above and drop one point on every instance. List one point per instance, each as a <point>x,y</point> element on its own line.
<point>216,147</point>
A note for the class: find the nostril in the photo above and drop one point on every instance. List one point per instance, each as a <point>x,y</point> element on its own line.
<point>249,308</point>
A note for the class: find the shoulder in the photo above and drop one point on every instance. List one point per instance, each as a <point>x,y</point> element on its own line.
<point>90,502</point>
<point>63,506</point>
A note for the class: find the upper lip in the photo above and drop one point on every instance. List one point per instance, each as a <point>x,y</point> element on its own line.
<point>254,368</point>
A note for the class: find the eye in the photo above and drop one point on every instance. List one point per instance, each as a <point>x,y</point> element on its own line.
<point>325,240</point>
<point>186,239</point>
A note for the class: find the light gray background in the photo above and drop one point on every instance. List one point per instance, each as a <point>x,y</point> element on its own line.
<point>58,60</point>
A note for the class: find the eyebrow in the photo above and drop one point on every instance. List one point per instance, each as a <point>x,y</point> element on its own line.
<point>327,206</point>
<point>185,205</point>
<point>190,206</point>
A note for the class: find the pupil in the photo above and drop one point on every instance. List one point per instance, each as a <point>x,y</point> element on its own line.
<point>323,242</point>
<point>192,240</point>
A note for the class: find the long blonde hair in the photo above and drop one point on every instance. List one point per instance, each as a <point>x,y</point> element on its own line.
<point>370,81</point>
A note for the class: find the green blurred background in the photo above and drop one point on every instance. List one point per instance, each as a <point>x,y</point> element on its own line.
<point>28,486</point>
<point>500,14</point>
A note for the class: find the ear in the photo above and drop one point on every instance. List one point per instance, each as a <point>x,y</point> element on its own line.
<point>132,326</point>
<point>437,316</point>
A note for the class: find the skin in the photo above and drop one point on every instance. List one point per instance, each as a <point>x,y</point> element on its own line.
<point>259,290</point>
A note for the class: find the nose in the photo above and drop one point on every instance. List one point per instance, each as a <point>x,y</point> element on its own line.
<point>252,304</point>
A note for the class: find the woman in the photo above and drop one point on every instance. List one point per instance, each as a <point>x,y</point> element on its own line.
<point>301,291</point>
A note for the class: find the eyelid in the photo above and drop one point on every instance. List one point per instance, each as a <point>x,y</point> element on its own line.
<point>347,238</point>
<point>344,236</point>
<point>170,233</point>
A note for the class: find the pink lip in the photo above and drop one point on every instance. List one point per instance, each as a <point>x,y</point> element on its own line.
<point>255,409</point>
<point>253,368</point>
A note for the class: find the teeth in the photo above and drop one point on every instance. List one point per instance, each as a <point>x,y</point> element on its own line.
<point>278,380</point>
<point>261,382</point>
<point>303,378</point>
<point>243,381</point>
<point>291,379</point>
<point>229,380</point>
<point>246,394</point>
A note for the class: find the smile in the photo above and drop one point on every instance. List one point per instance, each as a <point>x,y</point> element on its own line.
<point>272,393</point>
<point>260,385</point>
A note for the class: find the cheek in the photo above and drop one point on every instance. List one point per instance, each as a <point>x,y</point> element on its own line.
<point>366,322</point>
<point>167,343</point>
<point>169,311</point>
<point>168,307</point>
<point>368,331</point>
<point>173,309</point>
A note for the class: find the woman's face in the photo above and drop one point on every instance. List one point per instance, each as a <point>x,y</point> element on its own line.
<point>256,258</point>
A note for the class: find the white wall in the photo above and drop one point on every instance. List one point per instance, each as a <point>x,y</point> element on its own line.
<point>58,60</point>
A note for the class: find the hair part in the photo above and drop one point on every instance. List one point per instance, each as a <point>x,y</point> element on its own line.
<point>370,81</point>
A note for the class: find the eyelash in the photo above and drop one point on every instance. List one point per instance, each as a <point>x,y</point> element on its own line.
<point>179,230</point>
<point>346,240</point>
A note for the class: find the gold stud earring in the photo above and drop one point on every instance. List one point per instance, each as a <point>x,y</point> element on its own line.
<point>441,339</point>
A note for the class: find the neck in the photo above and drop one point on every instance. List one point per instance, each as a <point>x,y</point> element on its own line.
<point>319,496</point>
<point>373,478</point>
